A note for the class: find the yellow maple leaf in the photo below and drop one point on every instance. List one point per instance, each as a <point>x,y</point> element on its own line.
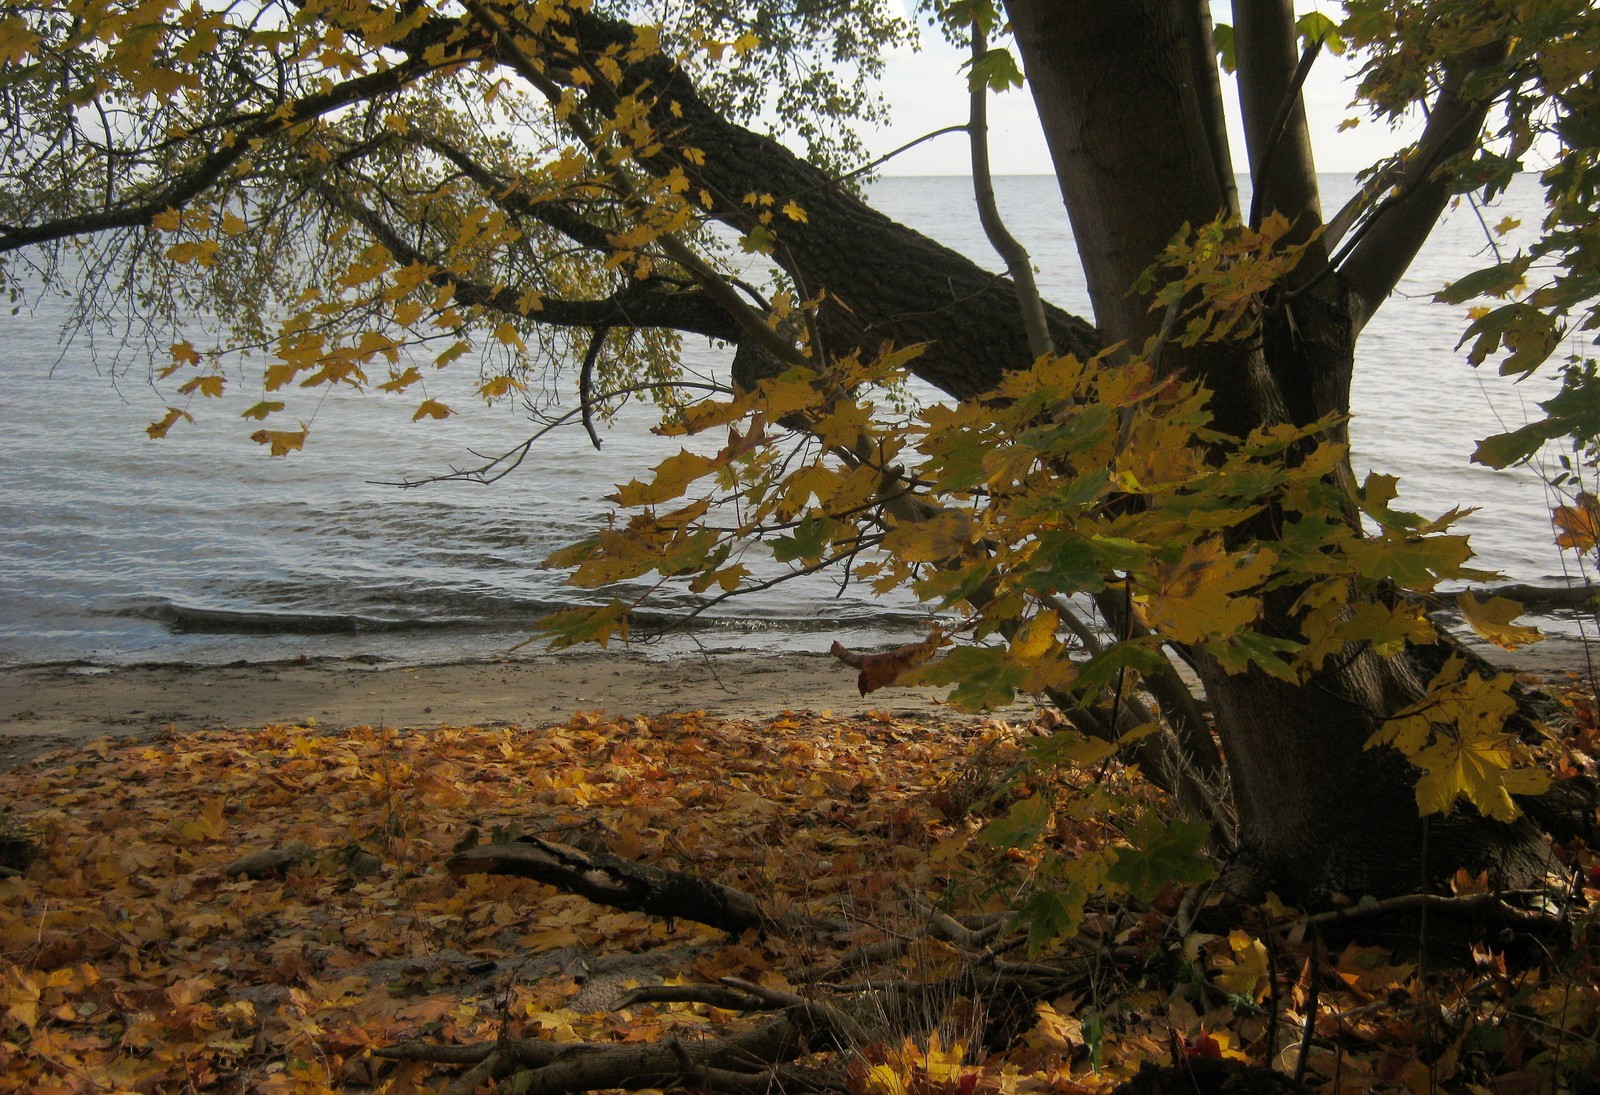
<point>259,411</point>
<point>1245,973</point>
<point>1479,770</point>
<point>281,442</point>
<point>507,335</point>
<point>672,478</point>
<point>1202,596</point>
<point>158,430</point>
<point>208,386</point>
<point>1492,619</point>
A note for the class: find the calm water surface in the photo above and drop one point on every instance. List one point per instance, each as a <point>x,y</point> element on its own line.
<point>116,549</point>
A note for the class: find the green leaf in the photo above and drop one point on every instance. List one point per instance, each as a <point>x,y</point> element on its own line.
<point>808,542</point>
<point>996,70</point>
<point>1315,26</point>
<point>1222,37</point>
<point>1050,913</point>
<point>759,240</point>
<point>1021,825</point>
<point>1266,653</point>
<point>1163,852</point>
<point>573,554</point>
<point>1142,656</point>
<point>1068,561</point>
<point>1504,449</point>
<point>585,625</point>
<point>1491,281</point>
<point>983,675</point>
<point>1413,562</point>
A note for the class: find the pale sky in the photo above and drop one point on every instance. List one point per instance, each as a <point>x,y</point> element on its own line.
<point>927,90</point>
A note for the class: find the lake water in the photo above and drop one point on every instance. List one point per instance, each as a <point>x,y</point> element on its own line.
<point>117,549</point>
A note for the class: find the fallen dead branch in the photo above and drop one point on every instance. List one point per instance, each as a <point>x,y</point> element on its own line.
<point>735,1063</point>
<point>634,887</point>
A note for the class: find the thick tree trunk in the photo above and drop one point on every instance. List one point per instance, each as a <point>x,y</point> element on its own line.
<point>1133,136</point>
<point>1320,813</point>
<point>1128,129</point>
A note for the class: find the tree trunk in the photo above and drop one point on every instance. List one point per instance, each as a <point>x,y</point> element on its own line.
<point>1127,124</point>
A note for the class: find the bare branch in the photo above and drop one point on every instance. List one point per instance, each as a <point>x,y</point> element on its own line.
<point>634,887</point>
<point>1018,264</point>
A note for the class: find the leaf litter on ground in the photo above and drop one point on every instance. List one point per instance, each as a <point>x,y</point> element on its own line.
<point>133,959</point>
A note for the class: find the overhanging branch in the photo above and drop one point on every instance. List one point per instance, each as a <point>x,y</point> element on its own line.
<point>212,167</point>
<point>1385,246</point>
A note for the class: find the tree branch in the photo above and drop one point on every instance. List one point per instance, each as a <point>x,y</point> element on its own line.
<point>1030,305</point>
<point>508,196</point>
<point>211,168</point>
<point>1384,247</point>
<point>635,887</point>
<point>1272,73</point>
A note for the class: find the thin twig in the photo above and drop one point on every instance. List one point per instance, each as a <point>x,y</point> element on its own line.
<point>1311,1011</point>
<point>586,381</point>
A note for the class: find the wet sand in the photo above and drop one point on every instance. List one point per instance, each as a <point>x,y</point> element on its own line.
<point>44,708</point>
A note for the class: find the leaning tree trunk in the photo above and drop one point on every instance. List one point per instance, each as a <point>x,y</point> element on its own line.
<point>1120,91</point>
<point>885,283</point>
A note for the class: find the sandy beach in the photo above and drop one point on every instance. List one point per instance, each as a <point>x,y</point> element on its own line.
<point>44,708</point>
<point>48,707</point>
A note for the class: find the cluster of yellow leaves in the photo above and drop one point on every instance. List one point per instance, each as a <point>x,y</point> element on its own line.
<point>1078,479</point>
<point>1218,273</point>
<point>1456,734</point>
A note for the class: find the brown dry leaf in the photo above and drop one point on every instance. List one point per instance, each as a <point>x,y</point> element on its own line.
<point>885,668</point>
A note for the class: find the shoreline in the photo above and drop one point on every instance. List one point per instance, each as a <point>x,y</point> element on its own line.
<point>64,705</point>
